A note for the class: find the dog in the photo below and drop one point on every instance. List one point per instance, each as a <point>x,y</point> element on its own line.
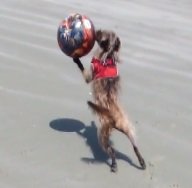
<point>105,81</point>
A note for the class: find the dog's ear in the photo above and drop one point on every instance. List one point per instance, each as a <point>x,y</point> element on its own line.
<point>117,44</point>
<point>98,34</point>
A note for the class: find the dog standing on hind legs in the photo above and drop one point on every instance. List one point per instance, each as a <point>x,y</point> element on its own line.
<point>105,87</point>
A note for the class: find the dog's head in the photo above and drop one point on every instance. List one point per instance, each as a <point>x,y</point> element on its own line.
<point>108,40</point>
<point>109,43</point>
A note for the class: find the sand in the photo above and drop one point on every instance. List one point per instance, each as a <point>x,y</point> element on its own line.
<point>47,133</point>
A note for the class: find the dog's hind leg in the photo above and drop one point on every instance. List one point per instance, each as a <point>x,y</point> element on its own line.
<point>111,153</point>
<point>123,125</point>
<point>105,144</point>
<point>140,158</point>
<point>131,137</point>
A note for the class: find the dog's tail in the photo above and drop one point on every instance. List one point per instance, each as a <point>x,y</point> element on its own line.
<point>99,109</point>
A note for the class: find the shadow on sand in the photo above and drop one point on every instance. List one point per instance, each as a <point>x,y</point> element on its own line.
<point>89,133</point>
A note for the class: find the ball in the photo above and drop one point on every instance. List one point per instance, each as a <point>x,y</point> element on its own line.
<point>76,35</point>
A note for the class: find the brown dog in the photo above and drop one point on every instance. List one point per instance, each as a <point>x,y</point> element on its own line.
<point>105,86</point>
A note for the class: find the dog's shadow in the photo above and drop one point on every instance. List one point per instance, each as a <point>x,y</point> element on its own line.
<point>89,133</point>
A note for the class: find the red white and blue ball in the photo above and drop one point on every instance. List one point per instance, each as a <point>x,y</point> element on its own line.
<point>76,35</point>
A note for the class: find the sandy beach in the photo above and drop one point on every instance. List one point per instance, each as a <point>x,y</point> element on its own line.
<point>48,135</point>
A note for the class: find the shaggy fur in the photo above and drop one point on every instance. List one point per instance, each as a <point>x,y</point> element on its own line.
<point>105,94</point>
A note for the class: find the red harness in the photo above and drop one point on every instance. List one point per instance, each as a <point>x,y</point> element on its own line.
<point>104,69</point>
